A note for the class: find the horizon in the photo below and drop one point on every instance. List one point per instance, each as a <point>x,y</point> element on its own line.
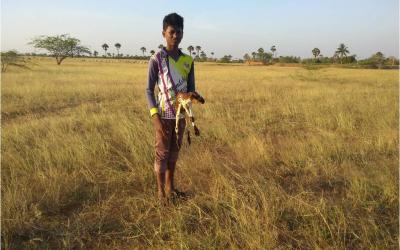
<point>223,27</point>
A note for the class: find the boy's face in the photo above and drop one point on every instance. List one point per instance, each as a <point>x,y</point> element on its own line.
<point>173,35</point>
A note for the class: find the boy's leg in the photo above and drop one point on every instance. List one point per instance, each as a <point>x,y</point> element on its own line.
<point>162,144</point>
<point>173,157</point>
<point>160,177</point>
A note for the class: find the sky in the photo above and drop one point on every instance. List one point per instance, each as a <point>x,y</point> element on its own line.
<point>224,27</point>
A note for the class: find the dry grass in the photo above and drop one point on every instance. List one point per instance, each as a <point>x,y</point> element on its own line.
<point>288,158</point>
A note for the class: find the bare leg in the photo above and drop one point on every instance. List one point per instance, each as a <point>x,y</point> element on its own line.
<point>169,180</point>
<point>160,185</point>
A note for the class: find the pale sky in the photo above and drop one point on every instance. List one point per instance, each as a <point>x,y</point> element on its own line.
<point>223,27</point>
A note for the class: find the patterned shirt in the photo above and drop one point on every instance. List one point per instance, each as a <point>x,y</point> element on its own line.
<point>169,75</point>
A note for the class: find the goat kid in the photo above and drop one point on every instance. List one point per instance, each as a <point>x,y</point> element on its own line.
<point>185,100</point>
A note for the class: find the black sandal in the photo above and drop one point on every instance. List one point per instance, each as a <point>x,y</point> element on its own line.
<point>179,194</point>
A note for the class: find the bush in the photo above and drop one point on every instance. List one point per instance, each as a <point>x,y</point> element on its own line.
<point>11,58</point>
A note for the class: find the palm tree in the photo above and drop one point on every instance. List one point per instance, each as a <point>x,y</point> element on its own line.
<point>117,46</point>
<point>105,47</point>
<point>315,52</point>
<point>152,52</point>
<point>198,48</point>
<point>342,51</point>
<point>273,49</point>
<point>160,46</point>
<point>190,49</point>
<point>143,49</point>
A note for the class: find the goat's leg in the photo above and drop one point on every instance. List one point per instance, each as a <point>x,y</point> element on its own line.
<point>178,112</point>
<point>187,129</point>
<point>190,112</point>
<point>196,130</point>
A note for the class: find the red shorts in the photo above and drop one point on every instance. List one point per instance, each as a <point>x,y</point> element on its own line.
<point>166,146</point>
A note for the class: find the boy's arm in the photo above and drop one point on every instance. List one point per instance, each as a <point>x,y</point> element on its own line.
<point>191,86</point>
<point>152,80</point>
<point>151,83</point>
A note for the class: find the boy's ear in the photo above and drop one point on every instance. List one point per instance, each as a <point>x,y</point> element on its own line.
<point>163,33</point>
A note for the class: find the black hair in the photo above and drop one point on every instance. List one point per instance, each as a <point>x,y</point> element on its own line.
<point>174,20</point>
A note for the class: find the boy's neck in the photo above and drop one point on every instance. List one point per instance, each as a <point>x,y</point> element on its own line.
<point>171,49</point>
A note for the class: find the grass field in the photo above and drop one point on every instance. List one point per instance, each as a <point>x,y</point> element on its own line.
<point>288,158</point>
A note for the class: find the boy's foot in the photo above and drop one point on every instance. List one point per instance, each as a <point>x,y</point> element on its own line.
<point>162,199</point>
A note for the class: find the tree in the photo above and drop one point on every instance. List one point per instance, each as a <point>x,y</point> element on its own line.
<point>392,60</point>
<point>198,48</point>
<point>254,55</point>
<point>378,59</point>
<point>212,54</point>
<point>203,55</point>
<point>60,46</point>
<point>260,53</point>
<point>152,52</point>
<point>342,51</point>
<point>273,49</point>
<point>289,59</point>
<point>11,58</point>
<point>117,46</point>
<point>266,57</point>
<point>315,52</point>
<point>226,59</point>
<point>190,49</point>
<point>95,53</point>
<point>350,59</point>
<point>335,57</point>
<point>143,49</point>
<point>246,57</point>
<point>160,46</point>
<point>105,47</point>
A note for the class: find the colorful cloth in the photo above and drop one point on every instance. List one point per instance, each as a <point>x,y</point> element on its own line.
<point>170,76</point>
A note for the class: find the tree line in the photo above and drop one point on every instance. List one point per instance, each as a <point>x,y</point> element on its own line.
<point>63,46</point>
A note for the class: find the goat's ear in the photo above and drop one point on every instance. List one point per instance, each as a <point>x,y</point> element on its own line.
<point>195,94</point>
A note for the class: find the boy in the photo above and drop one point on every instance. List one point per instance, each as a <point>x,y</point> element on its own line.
<point>171,71</point>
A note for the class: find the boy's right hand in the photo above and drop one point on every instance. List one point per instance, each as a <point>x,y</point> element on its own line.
<point>158,124</point>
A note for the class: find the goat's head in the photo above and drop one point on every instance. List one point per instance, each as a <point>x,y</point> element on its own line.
<point>196,97</point>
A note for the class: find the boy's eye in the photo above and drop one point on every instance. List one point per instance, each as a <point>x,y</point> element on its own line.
<point>171,33</point>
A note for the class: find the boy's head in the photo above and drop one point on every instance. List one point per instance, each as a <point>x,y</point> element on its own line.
<point>173,29</point>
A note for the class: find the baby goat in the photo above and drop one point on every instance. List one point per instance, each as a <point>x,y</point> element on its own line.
<point>185,100</point>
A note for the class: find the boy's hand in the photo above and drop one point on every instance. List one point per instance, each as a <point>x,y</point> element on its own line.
<point>158,124</point>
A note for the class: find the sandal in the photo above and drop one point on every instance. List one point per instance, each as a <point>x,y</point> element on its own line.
<point>179,194</point>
